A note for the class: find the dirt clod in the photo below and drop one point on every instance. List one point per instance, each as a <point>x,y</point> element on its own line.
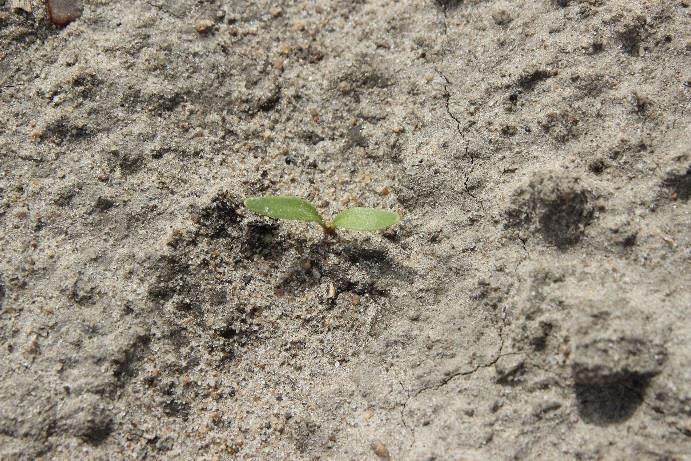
<point>203,26</point>
<point>380,450</point>
<point>63,12</point>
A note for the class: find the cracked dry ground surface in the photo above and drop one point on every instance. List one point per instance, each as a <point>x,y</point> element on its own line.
<point>533,304</point>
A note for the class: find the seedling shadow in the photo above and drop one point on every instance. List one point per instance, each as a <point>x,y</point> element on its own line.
<point>363,269</point>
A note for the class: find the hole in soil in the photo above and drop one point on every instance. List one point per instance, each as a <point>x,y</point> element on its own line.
<point>610,402</point>
<point>680,184</point>
<point>562,219</point>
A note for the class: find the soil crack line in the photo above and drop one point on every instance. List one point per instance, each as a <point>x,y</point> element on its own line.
<point>403,409</point>
<point>526,257</point>
<point>446,380</point>
<point>454,117</point>
<point>459,130</point>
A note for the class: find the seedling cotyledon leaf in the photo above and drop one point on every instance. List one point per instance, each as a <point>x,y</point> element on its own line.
<point>279,207</point>
<point>358,219</point>
<point>365,219</point>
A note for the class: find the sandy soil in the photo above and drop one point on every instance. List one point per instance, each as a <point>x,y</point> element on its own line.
<point>533,304</point>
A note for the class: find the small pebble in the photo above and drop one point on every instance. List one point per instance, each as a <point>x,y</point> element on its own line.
<point>278,64</point>
<point>203,26</point>
<point>63,12</point>
<point>380,449</point>
<point>344,87</point>
<point>332,291</point>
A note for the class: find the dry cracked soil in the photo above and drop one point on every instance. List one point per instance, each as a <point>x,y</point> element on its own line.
<point>533,303</point>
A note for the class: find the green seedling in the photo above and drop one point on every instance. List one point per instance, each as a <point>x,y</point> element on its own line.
<point>358,219</point>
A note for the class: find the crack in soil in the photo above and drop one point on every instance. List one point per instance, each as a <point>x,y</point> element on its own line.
<point>403,407</point>
<point>468,154</point>
<point>447,102</point>
<point>502,326</point>
<point>525,250</point>
<point>447,379</point>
